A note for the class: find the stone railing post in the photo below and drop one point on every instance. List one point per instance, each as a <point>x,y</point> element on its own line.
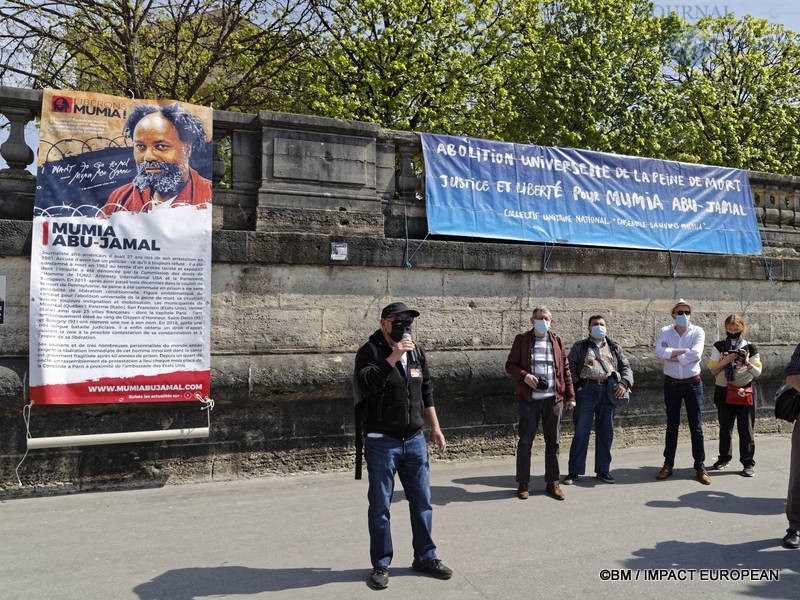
<point>786,216</point>
<point>405,215</point>
<point>15,151</point>
<point>407,180</point>
<point>218,166</point>
<point>237,155</point>
<point>778,195</point>
<point>17,184</point>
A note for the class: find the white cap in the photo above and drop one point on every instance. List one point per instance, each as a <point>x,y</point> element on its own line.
<point>681,302</point>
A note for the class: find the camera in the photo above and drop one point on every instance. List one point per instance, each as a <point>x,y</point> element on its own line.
<point>542,384</point>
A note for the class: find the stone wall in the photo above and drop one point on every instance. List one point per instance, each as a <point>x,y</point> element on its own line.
<point>286,319</point>
<point>286,322</point>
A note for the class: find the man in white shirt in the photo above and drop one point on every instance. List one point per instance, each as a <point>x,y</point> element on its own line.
<point>680,346</point>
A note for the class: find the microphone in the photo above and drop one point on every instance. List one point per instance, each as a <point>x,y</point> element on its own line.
<point>413,353</point>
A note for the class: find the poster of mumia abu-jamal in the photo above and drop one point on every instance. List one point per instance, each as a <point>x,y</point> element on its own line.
<point>121,251</point>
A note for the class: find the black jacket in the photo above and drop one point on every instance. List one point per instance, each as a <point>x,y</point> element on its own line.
<point>394,402</point>
<point>577,357</point>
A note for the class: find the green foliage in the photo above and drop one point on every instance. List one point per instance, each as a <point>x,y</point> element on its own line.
<point>230,54</point>
<point>603,75</point>
<point>733,97</point>
<point>588,75</point>
<point>434,65</point>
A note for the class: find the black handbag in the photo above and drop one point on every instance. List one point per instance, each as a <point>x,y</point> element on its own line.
<point>787,403</point>
<point>613,380</point>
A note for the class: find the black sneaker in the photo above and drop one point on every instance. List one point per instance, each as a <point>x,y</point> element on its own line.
<point>791,539</point>
<point>434,568</point>
<point>720,465</point>
<point>606,477</point>
<point>570,479</point>
<point>379,578</point>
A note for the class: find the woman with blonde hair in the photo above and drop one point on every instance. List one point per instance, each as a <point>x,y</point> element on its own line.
<point>735,363</point>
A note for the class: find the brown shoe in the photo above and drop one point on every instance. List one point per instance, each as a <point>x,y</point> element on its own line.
<point>522,491</point>
<point>664,472</point>
<point>702,477</point>
<point>554,490</point>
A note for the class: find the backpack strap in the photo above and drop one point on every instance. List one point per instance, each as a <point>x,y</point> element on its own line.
<point>359,416</point>
<point>600,359</point>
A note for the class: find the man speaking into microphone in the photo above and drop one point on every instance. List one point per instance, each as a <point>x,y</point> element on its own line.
<point>396,387</point>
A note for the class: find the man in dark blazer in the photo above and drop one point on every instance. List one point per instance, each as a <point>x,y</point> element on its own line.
<point>538,363</point>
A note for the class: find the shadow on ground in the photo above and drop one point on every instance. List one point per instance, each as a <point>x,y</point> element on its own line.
<point>195,583</point>
<point>724,502</point>
<point>763,566</point>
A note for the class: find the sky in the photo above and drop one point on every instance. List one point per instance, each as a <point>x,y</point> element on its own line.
<point>785,12</point>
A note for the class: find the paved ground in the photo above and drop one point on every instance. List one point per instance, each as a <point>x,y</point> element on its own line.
<point>305,537</point>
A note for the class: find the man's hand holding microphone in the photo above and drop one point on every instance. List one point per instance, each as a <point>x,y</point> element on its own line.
<point>406,344</point>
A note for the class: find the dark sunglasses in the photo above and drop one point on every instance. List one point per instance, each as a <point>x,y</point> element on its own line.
<point>683,312</point>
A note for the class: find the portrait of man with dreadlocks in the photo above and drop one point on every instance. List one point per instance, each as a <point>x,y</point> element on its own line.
<point>163,140</point>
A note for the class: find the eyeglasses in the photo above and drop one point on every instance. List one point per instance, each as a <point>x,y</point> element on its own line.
<point>683,312</point>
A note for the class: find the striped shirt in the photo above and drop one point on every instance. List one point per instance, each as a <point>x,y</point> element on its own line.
<point>542,367</point>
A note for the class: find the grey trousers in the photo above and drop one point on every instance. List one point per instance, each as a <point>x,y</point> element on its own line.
<point>531,413</point>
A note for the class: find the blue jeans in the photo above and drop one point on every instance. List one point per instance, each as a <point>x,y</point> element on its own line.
<point>692,395</point>
<point>386,456</point>
<point>592,404</point>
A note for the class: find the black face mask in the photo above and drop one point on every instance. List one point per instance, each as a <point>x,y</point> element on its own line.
<point>400,325</point>
<point>733,336</point>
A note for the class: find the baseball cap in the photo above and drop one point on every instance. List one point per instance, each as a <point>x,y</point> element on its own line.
<point>396,308</point>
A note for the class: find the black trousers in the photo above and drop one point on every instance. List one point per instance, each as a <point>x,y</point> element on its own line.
<point>745,417</point>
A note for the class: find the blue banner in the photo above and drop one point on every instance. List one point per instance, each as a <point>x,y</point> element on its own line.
<point>481,188</point>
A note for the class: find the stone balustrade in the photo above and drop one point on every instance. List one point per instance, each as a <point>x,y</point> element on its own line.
<point>296,173</point>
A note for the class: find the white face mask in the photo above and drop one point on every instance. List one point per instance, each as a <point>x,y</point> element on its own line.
<point>541,326</point>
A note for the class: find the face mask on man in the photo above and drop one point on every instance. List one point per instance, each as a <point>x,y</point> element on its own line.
<point>541,326</point>
<point>400,325</point>
<point>682,320</point>
<point>598,332</point>
<point>733,336</point>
